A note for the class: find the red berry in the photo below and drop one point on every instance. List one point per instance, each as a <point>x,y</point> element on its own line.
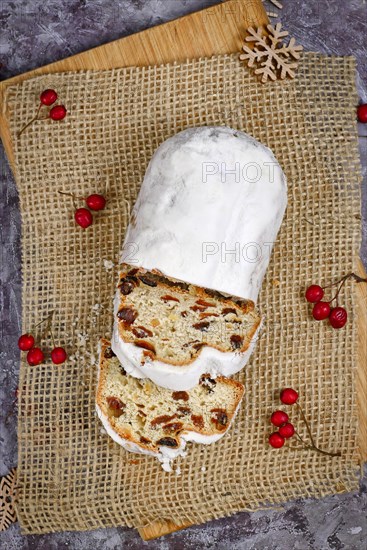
<point>58,356</point>
<point>58,112</point>
<point>48,97</point>
<point>276,440</point>
<point>338,317</point>
<point>362,112</point>
<point>26,342</point>
<point>314,293</point>
<point>288,396</point>
<point>287,430</point>
<point>83,218</point>
<point>278,418</point>
<point>35,357</point>
<point>96,202</point>
<point>321,311</point>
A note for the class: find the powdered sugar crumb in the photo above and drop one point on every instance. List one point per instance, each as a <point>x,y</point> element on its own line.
<point>82,339</point>
<point>355,530</point>
<point>108,265</point>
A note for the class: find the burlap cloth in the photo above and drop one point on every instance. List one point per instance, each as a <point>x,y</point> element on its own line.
<point>70,474</point>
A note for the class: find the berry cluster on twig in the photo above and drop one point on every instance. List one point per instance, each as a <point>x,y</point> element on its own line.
<point>286,429</point>
<point>47,98</point>
<point>83,216</point>
<point>35,355</point>
<point>322,309</point>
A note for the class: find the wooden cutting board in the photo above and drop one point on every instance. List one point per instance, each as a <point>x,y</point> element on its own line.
<point>216,30</point>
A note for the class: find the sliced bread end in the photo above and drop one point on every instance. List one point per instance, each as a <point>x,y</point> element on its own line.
<point>149,419</point>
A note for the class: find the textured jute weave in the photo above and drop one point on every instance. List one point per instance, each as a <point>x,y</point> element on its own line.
<point>70,474</point>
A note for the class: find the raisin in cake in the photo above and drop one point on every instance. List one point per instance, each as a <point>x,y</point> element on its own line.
<point>209,210</point>
<point>148,419</point>
<point>173,332</point>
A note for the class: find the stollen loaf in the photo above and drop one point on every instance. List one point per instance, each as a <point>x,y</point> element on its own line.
<point>209,210</point>
<point>208,213</point>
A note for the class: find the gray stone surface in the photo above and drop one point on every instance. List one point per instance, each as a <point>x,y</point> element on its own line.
<point>35,32</point>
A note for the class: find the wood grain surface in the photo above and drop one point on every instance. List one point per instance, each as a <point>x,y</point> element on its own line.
<point>361,380</point>
<point>216,30</point>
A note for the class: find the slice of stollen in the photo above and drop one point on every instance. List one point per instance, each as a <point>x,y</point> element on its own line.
<point>173,332</point>
<point>145,418</point>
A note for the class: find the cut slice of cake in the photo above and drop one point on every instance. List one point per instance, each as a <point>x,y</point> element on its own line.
<point>173,332</point>
<point>145,418</point>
